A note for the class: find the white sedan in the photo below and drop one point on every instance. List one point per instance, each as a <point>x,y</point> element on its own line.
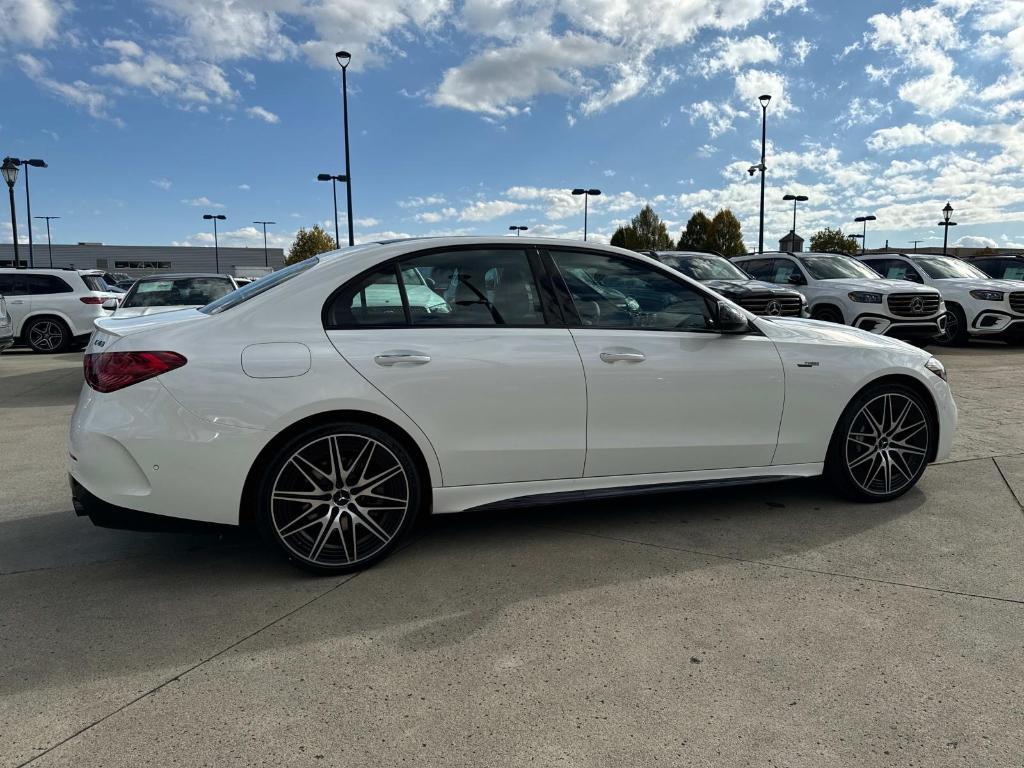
<point>334,401</point>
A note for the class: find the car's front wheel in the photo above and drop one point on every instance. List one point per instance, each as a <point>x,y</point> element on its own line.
<point>881,445</point>
<point>337,498</point>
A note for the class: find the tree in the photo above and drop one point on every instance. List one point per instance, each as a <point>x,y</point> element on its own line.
<point>695,236</point>
<point>724,235</point>
<point>646,232</point>
<point>830,240</point>
<point>309,243</point>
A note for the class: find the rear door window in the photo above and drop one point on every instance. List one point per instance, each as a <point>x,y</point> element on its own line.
<point>45,285</point>
<point>12,285</point>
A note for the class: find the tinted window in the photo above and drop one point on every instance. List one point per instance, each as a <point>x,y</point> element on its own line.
<point>772,270</point>
<point>894,269</point>
<point>256,287</point>
<point>95,283</point>
<point>177,292</point>
<point>615,293</point>
<point>943,267</point>
<point>1013,270</point>
<point>12,285</point>
<point>40,285</point>
<point>376,299</point>
<point>758,268</point>
<point>704,267</point>
<point>836,267</point>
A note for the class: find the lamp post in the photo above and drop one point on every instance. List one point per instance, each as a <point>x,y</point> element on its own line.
<point>586,200</point>
<point>266,256</point>
<point>764,99</point>
<point>796,199</point>
<point>334,179</point>
<point>947,213</point>
<point>10,173</point>
<point>49,242</point>
<point>914,243</point>
<point>35,163</point>
<point>215,217</point>
<point>517,230</point>
<point>864,232</point>
<point>344,58</point>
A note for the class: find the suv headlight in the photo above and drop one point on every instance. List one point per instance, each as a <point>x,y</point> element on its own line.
<point>865,297</point>
<point>988,295</point>
<point>936,367</point>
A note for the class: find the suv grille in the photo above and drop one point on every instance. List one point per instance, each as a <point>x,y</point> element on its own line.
<point>769,306</point>
<point>1017,302</point>
<point>914,304</point>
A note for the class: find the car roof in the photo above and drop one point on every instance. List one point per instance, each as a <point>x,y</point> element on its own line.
<point>51,271</point>
<point>182,275</point>
<point>685,253</point>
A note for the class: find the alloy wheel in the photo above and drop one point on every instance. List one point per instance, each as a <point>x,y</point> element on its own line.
<point>45,336</point>
<point>339,500</point>
<point>887,444</point>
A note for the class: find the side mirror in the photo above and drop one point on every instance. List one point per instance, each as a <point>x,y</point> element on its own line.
<point>730,319</point>
<point>796,279</point>
<point>110,304</point>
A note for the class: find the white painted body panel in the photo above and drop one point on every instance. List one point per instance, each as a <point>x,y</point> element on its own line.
<point>68,306</point>
<point>497,413</point>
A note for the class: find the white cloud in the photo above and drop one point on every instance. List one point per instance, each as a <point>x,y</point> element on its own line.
<point>975,241</point>
<point>481,210</point>
<point>244,187</point>
<point>202,202</point>
<point>754,82</point>
<point>862,111</point>
<point>732,54</point>
<point>801,49</point>
<point>79,93</point>
<point>197,81</point>
<point>162,183</point>
<point>30,22</point>
<point>719,117</point>
<point>259,113</point>
<point>433,217</point>
<point>419,202</point>
<point>945,132</point>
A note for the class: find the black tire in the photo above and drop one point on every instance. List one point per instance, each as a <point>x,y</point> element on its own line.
<point>956,334</point>
<point>47,335</point>
<point>828,315</point>
<point>323,519</point>
<point>868,463</point>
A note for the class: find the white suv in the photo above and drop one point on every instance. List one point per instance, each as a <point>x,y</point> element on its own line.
<point>839,289</point>
<point>977,304</point>
<point>52,309</point>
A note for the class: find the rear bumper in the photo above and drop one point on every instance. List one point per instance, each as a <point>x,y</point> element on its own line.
<point>105,515</point>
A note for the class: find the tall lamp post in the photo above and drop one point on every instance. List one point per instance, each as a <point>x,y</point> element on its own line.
<point>266,255</point>
<point>864,232</point>
<point>344,58</point>
<point>215,217</point>
<point>35,163</point>
<point>947,213</point>
<point>586,200</point>
<point>49,242</point>
<point>10,173</point>
<point>796,199</point>
<point>334,179</point>
<point>517,230</point>
<point>764,99</point>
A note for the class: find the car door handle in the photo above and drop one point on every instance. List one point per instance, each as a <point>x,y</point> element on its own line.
<point>399,358</point>
<point>623,357</point>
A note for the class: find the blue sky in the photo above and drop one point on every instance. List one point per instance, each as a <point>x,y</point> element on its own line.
<point>467,117</point>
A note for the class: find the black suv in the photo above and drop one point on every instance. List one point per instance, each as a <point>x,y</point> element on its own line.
<point>722,276</point>
<point>1000,267</point>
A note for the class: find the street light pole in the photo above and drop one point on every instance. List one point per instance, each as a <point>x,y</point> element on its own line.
<point>764,99</point>
<point>344,57</point>
<point>517,230</point>
<point>10,173</point>
<point>914,243</point>
<point>216,246</point>
<point>334,179</point>
<point>49,242</point>
<point>796,199</point>
<point>586,200</point>
<point>35,163</point>
<point>947,213</point>
<point>864,232</point>
<point>266,255</point>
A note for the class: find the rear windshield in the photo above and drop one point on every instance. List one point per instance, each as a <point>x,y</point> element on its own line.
<point>95,283</point>
<point>177,292</point>
<point>256,287</point>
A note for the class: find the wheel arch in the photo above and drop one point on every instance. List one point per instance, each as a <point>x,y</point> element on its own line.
<point>247,502</point>
<point>828,304</point>
<point>44,314</point>
<point>910,382</point>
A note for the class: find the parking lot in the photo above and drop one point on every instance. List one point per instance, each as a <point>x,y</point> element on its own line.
<point>772,625</point>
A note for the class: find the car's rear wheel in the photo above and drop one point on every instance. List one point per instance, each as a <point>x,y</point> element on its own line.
<point>47,335</point>
<point>882,443</point>
<point>339,497</point>
<point>828,315</point>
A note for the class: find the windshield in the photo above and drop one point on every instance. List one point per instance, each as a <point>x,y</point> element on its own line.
<point>837,267</point>
<point>708,267</point>
<point>943,268</point>
<point>177,292</point>
<point>95,283</point>
<point>256,287</point>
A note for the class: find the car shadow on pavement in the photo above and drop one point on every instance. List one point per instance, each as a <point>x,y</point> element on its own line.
<point>83,603</point>
<point>46,388</point>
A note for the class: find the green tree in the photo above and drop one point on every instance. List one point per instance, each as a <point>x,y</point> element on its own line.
<point>624,237</point>
<point>724,235</point>
<point>695,236</point>
<point>830,240</point>
<point>308,243</point>
<point>646,232</point>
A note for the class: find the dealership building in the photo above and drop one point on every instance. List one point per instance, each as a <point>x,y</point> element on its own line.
<point>138,260</point>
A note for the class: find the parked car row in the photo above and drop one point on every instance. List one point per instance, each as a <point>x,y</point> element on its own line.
<point>332,402</point>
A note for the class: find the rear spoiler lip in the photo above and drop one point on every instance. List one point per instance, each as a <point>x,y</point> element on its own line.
<point>127,326</point>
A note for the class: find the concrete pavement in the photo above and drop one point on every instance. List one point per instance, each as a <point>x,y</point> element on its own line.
<point>771,625</point>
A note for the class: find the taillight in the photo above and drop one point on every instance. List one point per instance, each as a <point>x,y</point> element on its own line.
<point>111,371</point>
<point>90,299</point>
